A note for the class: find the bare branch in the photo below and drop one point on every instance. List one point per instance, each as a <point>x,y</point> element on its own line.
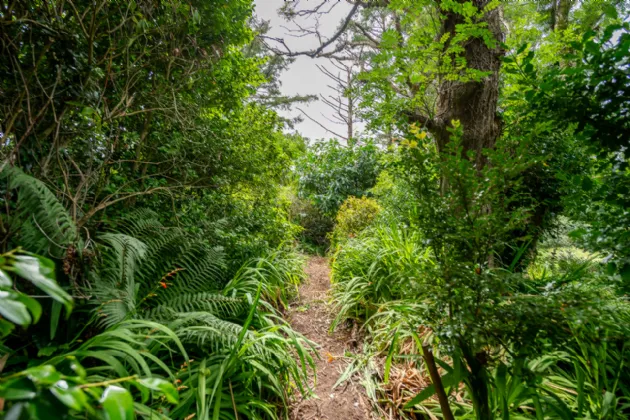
<point>316,52</point>
<point>321,125</point>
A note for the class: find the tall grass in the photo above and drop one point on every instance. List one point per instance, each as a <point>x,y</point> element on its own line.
<point>382,264</point>
<point>386,279</point>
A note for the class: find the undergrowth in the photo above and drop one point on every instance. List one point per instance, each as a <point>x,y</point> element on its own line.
<point>164,334</point>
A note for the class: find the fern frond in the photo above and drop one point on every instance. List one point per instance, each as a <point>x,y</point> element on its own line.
<point>201,266</point>
<point>208,332</point>
<point>115,284</point>
<point>213,303</point>
<point>139,222</point>
<point>44,225</point>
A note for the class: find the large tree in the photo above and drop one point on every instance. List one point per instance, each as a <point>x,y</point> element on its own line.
<point>432,62</point>
<point>109,102</point>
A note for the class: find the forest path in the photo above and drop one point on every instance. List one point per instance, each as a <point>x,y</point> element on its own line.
<point>311,315</point>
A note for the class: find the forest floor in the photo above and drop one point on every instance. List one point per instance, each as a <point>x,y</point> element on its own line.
<point>311,315</point>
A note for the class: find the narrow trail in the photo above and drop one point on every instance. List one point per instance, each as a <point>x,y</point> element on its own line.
<point>311,315</point>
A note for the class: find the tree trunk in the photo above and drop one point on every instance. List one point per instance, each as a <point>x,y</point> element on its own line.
<point>561,17</point>
<point>436,380</point>
<point>473,103</point>
<point>350,109</point>
<point>478,381</point>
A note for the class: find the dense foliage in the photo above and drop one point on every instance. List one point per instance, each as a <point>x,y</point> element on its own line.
<point>152,206</point>
<point>355,215</point>
<point>139,190</point>
<point>470,273</point>
<point>144,289</point>
<point>329,173</point>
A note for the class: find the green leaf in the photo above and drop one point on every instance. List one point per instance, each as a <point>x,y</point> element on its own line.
<point>73,398</point>
<point>47,351</point>
<point>5,280</point>
<point>87,111</point>
<point>165,387</point>
<point>78,369</point>
<point>5,328</point>
<point>33,306</point>
<point>390,355</point>
<point>450,379</point>
<point>45,375</point>
<point>41,272</point>
<point>13,310</point>
<point>501,384</point>
<point>608,404</point>
<point>117,403</point>
<point>54,318</point>
<point>18,389</point>
<point>529,57</point>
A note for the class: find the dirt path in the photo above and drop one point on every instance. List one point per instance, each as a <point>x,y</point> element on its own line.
<point>311,316</point>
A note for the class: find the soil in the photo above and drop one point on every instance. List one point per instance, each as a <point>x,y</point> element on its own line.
<point>311,315</point>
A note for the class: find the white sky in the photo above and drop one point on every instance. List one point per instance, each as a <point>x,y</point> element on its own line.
<point>303,77</point>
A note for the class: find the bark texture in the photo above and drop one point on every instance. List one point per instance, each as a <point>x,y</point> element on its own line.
<point>473,103</point>
<point>561,14</point>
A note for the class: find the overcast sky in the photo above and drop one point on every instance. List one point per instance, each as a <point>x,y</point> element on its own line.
<point>303,77</point>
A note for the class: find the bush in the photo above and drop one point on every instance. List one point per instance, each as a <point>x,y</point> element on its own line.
<point>566,329</point>
<point>354,216</point>
<point>395,196</point>
<point>444,288</point>
<point>330,173</point>
<point>248,227</point>
<point>154,299</point>
<point>315,225</point>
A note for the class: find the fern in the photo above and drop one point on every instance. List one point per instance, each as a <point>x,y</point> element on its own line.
<point>200,267</point>
<point>149,272</point>
<point>207,331</point>
<point>138,222</point>
<point>43,224</point>
<point>212,303</point>
<point>115,284</point>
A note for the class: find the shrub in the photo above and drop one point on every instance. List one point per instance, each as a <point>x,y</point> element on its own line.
<point>380,265</point>
<point>493,322</point>
<point>330,173</point>
<point>249,226</point>
<point>355,214</point>
<point>395,196</point>
<point>315,224</point>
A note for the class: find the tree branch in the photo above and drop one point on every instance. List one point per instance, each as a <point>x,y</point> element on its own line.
<point>423,120</point>
<point>321,125</point>
<point>316,52</point>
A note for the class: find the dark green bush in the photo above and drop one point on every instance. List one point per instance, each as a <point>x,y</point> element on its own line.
<point>330,173</point>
